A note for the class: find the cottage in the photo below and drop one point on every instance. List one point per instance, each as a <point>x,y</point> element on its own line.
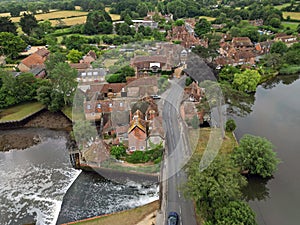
<point>156,132</point>
<point>242,43</point>
<point>89,57</point>
<point>36,59</point>
<point>137,133</point>
<point>287,39</point>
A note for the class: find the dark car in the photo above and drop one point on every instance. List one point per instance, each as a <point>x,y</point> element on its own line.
<point>173,218</point>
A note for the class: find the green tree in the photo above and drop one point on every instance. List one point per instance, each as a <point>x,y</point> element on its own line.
<point>84,131</point>
<point>53,60</point>
<point>236,212</point>
<point>202,27</point>
<point>256,155</point>
<point>230,125</point>
<point>75,41</point>
<point>279,47</point>
<point>275,22</point>
<point>246,81</point>
<point>6,25</point>
<point>63,79</point>
<point>74,56</point>
<point>94,22</point>
<point>118,151</point>
<point>214,187</point>
<point>179,22</point>
<point>273,60</point>
<point>28,23</point>
<point>11,45</point>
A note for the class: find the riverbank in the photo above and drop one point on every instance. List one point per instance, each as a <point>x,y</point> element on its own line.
<point>144,215</point>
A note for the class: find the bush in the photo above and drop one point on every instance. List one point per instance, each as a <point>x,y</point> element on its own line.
<point>230,125</point>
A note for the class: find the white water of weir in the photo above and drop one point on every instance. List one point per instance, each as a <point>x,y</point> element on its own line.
<point>34,181</point>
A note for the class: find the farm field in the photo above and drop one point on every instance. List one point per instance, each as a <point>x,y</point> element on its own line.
<point>293,15</point>
<point>71,21</point>
<point>292,25</point>
<point>208,18</point>
<point>114,17</point>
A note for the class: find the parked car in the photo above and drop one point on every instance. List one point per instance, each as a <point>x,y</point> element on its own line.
<point>173,218</point>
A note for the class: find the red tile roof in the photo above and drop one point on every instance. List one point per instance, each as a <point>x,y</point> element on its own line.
<point>33,60</point>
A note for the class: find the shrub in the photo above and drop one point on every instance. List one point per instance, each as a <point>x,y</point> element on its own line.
<point>230,125</point>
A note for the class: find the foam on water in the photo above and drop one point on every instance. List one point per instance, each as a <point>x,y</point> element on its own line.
<point>34,181</point>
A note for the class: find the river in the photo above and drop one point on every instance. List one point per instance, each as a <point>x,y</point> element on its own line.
<point>276,116</point>
<point>38,182</point>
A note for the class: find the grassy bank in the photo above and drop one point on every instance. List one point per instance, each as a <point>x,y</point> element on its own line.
<point>128,217</point>
<point>20,112</point>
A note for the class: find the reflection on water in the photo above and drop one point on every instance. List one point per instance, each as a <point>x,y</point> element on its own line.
<point>256,189</point>
<point>276,116</point>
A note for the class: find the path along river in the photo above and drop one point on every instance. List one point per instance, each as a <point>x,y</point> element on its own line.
<point>276,116</point>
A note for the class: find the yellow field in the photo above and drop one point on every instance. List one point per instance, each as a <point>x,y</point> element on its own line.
<point>71,21</point>
<point>53,15</point>
<point>293,15</point>
<point>114,17</point>
<point>207,18</point>
<point>282,6</point>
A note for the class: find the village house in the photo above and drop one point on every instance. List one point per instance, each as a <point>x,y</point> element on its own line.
<point>144,65</point>
<point>89,57</point>
<point>256,23</point>
<point>156,132</point>
<point>137,133</point>
<point>264,47</point>
<point>167,17</point>
<point>185,35</point>
<point>193,92</point>
<point>137,23</point>
<point>80,67</point>
<point>34,60</point>
<point>139,88</point>
<point>92,75</point>
<point>242,43</point>
<point>287,39</point>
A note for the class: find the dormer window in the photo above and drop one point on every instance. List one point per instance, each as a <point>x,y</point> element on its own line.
<point>110,105</point>
<point>99,106</point>
<point>88,106</point>
<point>121,104</point>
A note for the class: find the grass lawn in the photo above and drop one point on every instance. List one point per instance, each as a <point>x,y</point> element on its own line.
<point>292,25</point>
<point>293,15</point>
<point>208,18</point>
<point>227,146</point>
<point>20,112</point>
<point>282,6</point>
<point>128,217</point>
<point>73,114</point>
<point>150,169</point>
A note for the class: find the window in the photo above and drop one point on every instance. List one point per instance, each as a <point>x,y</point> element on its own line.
<point>110,105</point>
<point>99,106</point>
<point>121,104</point>
<point>88,106</point>
<point>132,148</point>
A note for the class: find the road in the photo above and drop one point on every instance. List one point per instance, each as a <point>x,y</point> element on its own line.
<point>178,153</point>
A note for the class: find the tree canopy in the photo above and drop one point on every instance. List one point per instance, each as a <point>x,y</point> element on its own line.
<point>246,81</point>
<point>11,45</point>
<point>6,25</point>
<point>256,155</point>
<point>28,23</point>
<point>214,187</point>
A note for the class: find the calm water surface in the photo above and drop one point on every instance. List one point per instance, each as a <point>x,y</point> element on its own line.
<point>276,116</point>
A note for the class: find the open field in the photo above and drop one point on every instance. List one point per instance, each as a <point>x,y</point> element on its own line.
<point>208,18</point>
<point>19,112</point>
<point>114,17</point>
<point>282,6</point>
<point>128,217</point>
<point>71,21</point>
<point>293,15</point>
<point>227,146</point>
<point>292,25</point>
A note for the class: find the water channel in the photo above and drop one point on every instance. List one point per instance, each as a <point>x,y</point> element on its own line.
<point>276,116</point>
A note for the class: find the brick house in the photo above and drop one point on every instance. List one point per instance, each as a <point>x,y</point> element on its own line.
<point>36,59</point>
<point>156,132</point>
<point>137,133</point>
<point>287,39</point>
<point>153,64</point>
